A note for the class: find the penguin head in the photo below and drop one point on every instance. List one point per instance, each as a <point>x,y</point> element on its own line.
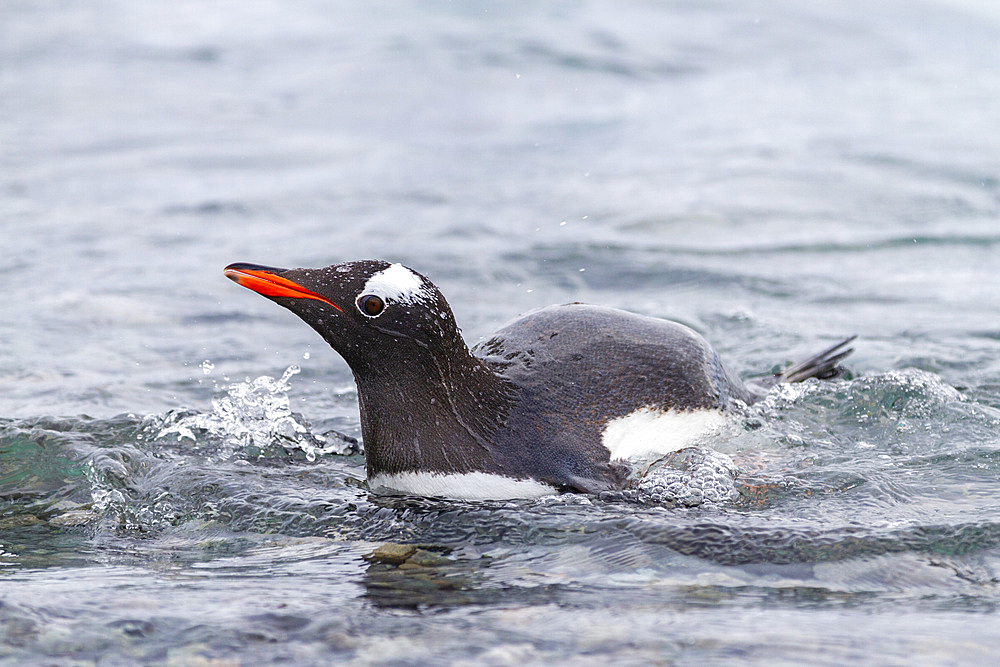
<point>369,311</point>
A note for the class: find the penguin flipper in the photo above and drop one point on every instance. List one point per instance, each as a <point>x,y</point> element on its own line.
<point>822,366</point>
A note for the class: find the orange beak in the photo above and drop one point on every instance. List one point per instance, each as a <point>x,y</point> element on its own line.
<point>265,281</point>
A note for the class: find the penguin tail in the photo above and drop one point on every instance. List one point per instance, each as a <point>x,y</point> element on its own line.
<point>823,366</point>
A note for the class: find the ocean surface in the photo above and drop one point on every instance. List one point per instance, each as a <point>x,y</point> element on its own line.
<point>178,480</point>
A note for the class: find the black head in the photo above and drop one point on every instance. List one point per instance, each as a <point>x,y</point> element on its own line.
<point>427,403</point>
<point>371,312</point>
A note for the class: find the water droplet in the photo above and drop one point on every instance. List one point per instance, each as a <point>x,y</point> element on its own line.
<point>207,367</point>
<point>305,355</point>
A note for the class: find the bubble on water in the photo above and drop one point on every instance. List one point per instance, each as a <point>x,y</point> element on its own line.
<point>689,477</point>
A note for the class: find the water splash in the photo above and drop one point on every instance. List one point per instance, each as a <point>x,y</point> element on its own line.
<point>908,391</point>
<point>255,415</point>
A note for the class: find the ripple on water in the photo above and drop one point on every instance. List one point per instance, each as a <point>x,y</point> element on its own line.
<point>199,486</point>
<point>230,502</point>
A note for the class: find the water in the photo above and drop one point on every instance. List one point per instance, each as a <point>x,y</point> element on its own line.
<point>776,175</point>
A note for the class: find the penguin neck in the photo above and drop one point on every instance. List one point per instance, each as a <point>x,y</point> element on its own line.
<point>436,412</point>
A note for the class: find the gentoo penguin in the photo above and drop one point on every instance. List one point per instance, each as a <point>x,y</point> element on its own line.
<point>558,400</point>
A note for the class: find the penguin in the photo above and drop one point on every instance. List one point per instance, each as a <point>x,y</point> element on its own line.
<point>558,400</point>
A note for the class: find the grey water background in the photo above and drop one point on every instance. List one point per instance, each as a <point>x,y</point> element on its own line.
<point>775,174</point>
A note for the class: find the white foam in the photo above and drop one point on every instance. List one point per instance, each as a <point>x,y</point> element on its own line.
<point>650,432</point>
<point>465,486</point>
<point>396,283</point>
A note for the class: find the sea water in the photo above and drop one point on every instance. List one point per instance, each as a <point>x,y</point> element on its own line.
<point>180,474</point>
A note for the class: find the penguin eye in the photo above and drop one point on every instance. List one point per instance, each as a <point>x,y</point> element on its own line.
<point>371,305</point>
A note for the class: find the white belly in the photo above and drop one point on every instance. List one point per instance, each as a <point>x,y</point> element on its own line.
<point>465,486</point>
<point>649,432</point>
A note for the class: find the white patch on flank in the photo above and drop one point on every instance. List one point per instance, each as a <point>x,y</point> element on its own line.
<point>397,283</point>
<point>465,486</point>
<point>649,432</point>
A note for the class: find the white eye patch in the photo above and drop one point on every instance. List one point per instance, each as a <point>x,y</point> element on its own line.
<point>396,283</point>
